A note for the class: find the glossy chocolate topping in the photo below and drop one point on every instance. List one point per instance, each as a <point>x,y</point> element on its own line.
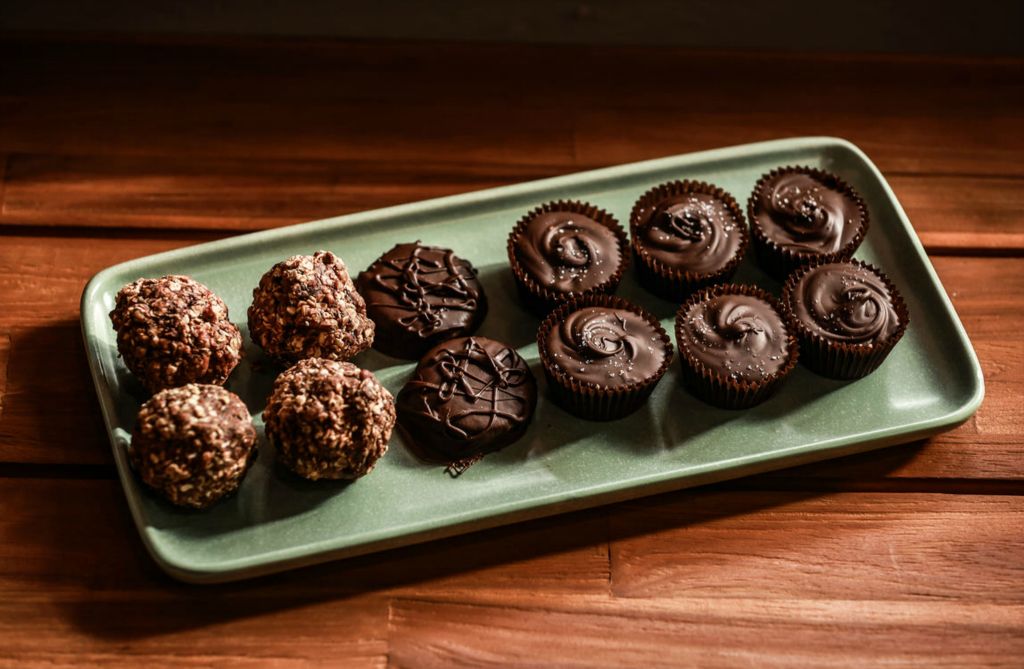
<point>606,347</point>
<point>469,396</point>
<point>566,251</point>
<point>695,232</point>
<point>844,302</point>
<point>798,212</point>
<point>738,336</point>
<point>420,295</point>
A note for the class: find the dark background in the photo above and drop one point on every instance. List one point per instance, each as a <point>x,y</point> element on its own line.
<point>981,28</point>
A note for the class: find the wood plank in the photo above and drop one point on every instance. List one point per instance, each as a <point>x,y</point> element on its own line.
<point>713,577</point>
<point>42,277</point>
<point>52,417</point>
<point>77,587</point>
<point>701,633</point>
<point>854,547</point>
<point>224,194</point>
<point>726,579</point>
<point>896,142</point>
<point>951,214</point>
<point>963,213</point>
<point>471,103</point>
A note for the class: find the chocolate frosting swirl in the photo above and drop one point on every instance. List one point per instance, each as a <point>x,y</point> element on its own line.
<point>606,347</point>
<point>567,251</point>
<point>691,231</point>
<point>799,212</point>
<point>741,337</point>
<point>845,302</point>
<point>469,396</point>
<point>419,295</point>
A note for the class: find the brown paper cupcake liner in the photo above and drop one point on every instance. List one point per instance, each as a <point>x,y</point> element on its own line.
<point>540,299</point>
<point>715,388</point>
<point>779,261</point>
<point>589,400</point>
<point>842,360</point>
<point>672,283</point>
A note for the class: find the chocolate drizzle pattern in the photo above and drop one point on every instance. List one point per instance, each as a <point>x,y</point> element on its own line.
<point>468,396</point>
<point>606,346</point>
<point>844,302</point>
<point>800,212</point>
<point>740,337</point>
<point>567,251</point>
<point>691,231</point>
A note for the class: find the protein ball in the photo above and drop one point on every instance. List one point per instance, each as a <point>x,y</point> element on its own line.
<point>174,330</point>
<point>329,419</point>
<point>193,444</point>
<point>308,307</point>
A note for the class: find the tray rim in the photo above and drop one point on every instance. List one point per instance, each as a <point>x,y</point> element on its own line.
<point>323,550</point>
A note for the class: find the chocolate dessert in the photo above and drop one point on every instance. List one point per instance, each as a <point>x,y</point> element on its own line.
<point>308,307</point>
<point>173,331</point>
<point>193,444</point>
<point>329,419</point>
<point>686,235</point>
<point>563,250</point>
<point>800,214</point>
<point>602,356</point>
<point>847,315</point>
<point>468,396</point>
<point>418,296</point>
<point>734,345</point>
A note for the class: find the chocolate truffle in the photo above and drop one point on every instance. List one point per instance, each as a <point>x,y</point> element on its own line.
<point>563,250</point>
<point>734,345</point>
<point>848,316</point>
<point>800,214</point>
<point>329,419</point>
<point>602,356</point>
<point>308,307</point>
<point>686,235</point>
<point>418,296</point>
<point>173,331</point>
<point>193,444</point>
<point>468,397</point>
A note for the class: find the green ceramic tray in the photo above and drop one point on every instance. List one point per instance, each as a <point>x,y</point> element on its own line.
<point>930,382</point>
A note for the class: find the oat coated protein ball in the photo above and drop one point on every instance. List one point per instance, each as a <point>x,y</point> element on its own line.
<point>329,419</point>
<point>172,331</point>
<point>193,444</point>
<point>308,307</point>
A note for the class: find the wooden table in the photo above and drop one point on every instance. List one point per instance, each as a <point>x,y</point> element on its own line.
<point>110,150</point>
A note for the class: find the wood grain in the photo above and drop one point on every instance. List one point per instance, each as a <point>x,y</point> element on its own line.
<point>468,104</point>
<point>703,577</point>
<point>701,633</point>
<point>761,579</point>
<point>222,194</point>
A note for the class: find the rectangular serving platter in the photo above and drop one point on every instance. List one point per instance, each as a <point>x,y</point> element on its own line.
<point>931,382</point>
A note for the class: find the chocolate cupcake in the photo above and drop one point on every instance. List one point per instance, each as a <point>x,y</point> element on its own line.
<point>848,316</point>
<point>800,214</point>
<point>734,345</point>
<point>686,235</point>
<point>602,356</point>
<point>564,250</point>
<point>418,296</point>
<point>468,397</point>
